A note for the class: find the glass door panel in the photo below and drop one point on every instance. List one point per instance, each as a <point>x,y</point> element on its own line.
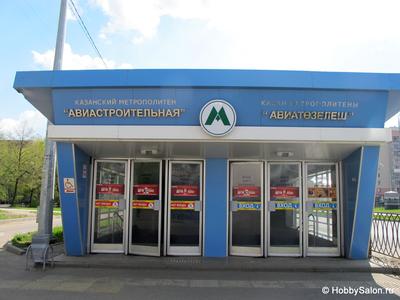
<point>109,206</point>
<point>321,209</point>
<point>284,209</point>
<point>185,208</point>
<point>146,207</point>
<point>246,209</point>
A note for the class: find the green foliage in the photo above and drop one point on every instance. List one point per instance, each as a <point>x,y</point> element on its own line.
<point>58,234</point>
<point>382,209</point>
<point>23,240</point>
<point>21,160</point>
<point>4,215</point>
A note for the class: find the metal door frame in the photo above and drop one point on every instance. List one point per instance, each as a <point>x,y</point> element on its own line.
<point>322,251</point>
<point>240,250</point>
<point>184,250</point>
<point>140,249</point>
<point>283,251</point>
<point>109,248</point>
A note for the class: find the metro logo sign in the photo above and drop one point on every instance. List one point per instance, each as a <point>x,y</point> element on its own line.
<point>217,115</point>
<point>217,118</point>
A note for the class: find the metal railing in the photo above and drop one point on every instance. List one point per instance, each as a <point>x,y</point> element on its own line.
<point>385,234</point>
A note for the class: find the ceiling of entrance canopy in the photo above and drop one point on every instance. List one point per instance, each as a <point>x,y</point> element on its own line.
<point>268,151</point>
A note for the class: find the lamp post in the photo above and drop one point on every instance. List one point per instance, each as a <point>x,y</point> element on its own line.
<point>45,217</point>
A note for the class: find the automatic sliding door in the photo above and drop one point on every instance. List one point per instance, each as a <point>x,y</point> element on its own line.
<point>146,207</point>
<point>321,210</point>
<point>284,209</point>
<point>246,209</point>
<point>109,206</point>
<point>185,196</point>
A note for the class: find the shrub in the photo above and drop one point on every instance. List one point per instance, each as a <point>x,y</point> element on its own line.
<point>23,240</point>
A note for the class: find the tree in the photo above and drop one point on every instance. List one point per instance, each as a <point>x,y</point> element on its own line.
<point>20,165</point>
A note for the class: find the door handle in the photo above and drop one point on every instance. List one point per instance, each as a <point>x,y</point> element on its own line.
<point>157,205</point>
<point>233,206</point>
<point>271,206</point>
<point>121,204</point>
<point>197,206</point>
<point>309,206</point>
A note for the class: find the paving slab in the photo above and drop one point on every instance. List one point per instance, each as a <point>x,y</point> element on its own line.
<point>270,264</point>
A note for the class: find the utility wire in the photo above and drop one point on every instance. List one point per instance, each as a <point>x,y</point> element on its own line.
<point>85,30</point>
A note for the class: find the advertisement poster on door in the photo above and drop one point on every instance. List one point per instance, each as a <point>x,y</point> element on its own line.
<point>322,192</point>
<point>284,192</point>
<point>185,191</point>
<point>183,205</point>
<point>110,189</point>
<point>106,203</point>
<point>143,204</point>
<point>246,192</point>
<point>145,189</point>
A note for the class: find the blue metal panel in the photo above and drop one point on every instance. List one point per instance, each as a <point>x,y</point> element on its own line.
<point>253,106</point>
<point>215,227</point>
<point>365,203</point>
<point>350,169</point>
<point>206,78</point>
<point>82,168</point>
<point>69,201</point>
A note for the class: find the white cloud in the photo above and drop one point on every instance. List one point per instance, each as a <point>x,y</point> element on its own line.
<point>358,35</point>
<point>30,120</point>
<point>74,61</point>
<point>143,17</point>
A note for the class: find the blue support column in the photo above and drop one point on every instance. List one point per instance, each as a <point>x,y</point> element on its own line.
<point>364,203</point>
<point>216,212</point>
<point>82,169</point>
<point>74,196</point>
<point>350,168</point>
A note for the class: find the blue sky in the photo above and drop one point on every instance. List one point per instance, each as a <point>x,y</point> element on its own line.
<point>340,35</point>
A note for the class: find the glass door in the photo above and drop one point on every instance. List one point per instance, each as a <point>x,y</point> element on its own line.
<point>246,209</point>
<point>146,208</point>
<point>284,209</point>
<point>321,233</point>
<point>185,196</point>
<point>109,206</point>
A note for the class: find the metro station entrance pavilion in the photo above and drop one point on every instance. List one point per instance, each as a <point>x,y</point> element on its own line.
<point>215,162</point>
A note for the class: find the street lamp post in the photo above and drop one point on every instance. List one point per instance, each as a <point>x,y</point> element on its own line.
<point>45,217</point>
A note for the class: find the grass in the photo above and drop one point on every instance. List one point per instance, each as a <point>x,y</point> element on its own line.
<point>382,209</point>
<point>56,210</point>
<point>5,215</point>
<point>23,240</point>
<point>387,217</point>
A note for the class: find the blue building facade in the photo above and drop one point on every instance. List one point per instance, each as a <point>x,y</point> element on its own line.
<point>215,162</point>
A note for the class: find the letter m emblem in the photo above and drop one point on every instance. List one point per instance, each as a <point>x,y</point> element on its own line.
<point>217,115</point>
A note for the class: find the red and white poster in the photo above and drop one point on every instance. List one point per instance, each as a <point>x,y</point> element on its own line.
<point>184,190</point>
<point>182,205</point>
<point>145,189</point>
<point>143,204</point>
<point>246,191</point>
<point>107,203</point>
<point>284,192</point>
<point>110,189</point>
<point>69,185</point>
